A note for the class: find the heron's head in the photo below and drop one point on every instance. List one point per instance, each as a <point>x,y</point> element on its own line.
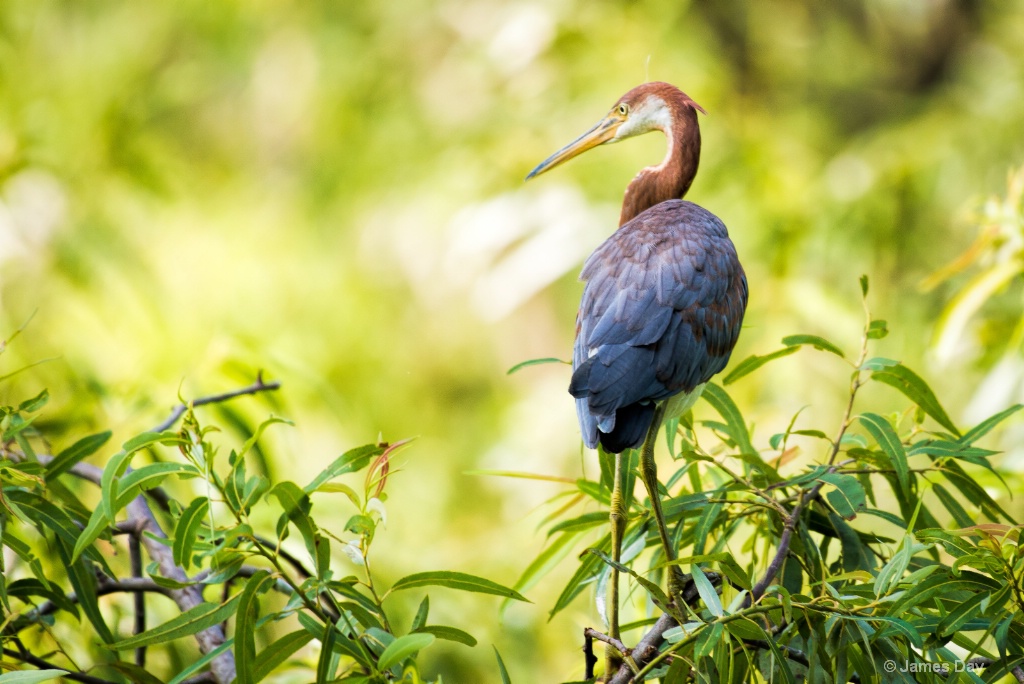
<point>648,107</point>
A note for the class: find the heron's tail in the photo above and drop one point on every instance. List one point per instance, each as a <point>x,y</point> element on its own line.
<point>631,425</point>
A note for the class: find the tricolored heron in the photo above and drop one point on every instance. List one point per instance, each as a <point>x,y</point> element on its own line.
<point>663,301</point>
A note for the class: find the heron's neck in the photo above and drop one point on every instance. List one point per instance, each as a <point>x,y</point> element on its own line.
<point>672,177</point>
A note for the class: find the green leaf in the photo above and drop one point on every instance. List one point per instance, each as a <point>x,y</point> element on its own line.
<point>30,676</point>
<point>848,498</point>
<point>892,572</point>
<point>296,505</point>
<point>534,362</point>
<point>884,434</point>
<point>35,403</point>
<point>878,363</point>
<point>421,615</point>
<point>877,330</point>
<point>351,461</point>
<point>274,655</point>
<point>753,362</point>
<point>957,617</point>
<point>917,390</point>
<point>501,667</point>
<point>147,477</point>
<point>819,343</point>
<point>245,624</point>
<point>81,449</point>
<point>726,407</point>
<point>456,580</point>
<point>709,637</point>
<point>707,591</point>
<point>985,426</point>
<point>658,596</point>
<point>588,569</point>
<point>93,529</point>
<point>198,664</point>
<point>186,532</point>
<point>403,647</point>
<point>448,634</point>
<point>780,658</point>
<point>864,285</point>
<point>327,662</point>
<point>194,620</point>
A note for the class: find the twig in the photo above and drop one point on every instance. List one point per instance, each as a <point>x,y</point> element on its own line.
<point>44,665</point>
<point>179,410</point>
<point>589,659</point>
<point>592,633</point>
<point>647,648</point>
<point>139,599</point>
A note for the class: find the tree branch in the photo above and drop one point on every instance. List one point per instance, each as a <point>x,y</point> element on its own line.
<point>647,648</point>
<point>44,665</point>
<point>179,410</point>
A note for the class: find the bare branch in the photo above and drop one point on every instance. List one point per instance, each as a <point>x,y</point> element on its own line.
<point>647,648</point>
<point>179,410</point>
<point>44,665</point>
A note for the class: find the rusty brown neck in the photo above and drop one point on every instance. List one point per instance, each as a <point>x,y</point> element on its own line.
<point>672,177</point>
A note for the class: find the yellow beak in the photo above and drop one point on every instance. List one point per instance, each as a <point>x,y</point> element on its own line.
<point>603,132</point>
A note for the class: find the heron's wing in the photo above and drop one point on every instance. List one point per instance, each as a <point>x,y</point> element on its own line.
<point>660,314</point>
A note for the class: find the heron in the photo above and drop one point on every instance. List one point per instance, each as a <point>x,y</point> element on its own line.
<point>662,305</point>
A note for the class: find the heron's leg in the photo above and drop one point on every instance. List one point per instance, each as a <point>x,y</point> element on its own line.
<point>617,515</point>
<point>649,473</point>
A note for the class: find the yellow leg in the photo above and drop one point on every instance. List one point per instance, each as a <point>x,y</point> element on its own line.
<point>649,474</point>
<point>617,514</point>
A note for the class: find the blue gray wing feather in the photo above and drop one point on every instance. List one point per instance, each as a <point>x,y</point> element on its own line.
<point>660,314</point>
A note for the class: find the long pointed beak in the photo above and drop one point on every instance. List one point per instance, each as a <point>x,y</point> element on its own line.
<point>603,132</point>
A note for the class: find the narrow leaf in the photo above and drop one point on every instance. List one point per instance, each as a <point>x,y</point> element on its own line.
<point>534,362</point>
<point>403,647</point>
<point>245,624</point>
<point>889,441</point>
<point>707,591</point>
<point>67,458</point>
<point>190,622</point>
<point>456,580</point>
<point>274,655</point>
<point>917,390</point>
<point>30,676</point>
<point>753,362</point>
<point>186,532</point>
<point>501,668</point>
<point>819,343</point>
<point>449,634</point>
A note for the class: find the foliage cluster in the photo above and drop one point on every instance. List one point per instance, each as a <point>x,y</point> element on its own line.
<point>250,600</point>
<point>886,558</point>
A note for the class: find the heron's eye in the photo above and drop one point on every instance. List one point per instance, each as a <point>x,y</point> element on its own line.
<point>623,109</point>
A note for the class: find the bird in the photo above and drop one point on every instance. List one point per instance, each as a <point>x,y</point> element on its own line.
<point>663,300</point>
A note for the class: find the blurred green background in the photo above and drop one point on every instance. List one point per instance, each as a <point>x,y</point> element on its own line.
<point>332,192</point>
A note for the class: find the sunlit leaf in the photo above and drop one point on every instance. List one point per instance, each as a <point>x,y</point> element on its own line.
<point>81,449</point>
<point>753,362</point>
<point>456,580</point>
<point>917,390</point>
<point>707,591</point>
<point>448,634</point>
<point>819,343</point>
<point>30,676</point>
<point>274,655</point>
<point>403,647</point>
<point>884,434</point>
<point>501,668</point>
<point>534,362</point>
<point>194,620</point>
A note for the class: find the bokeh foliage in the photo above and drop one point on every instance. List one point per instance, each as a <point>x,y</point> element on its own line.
<point>332,191</point>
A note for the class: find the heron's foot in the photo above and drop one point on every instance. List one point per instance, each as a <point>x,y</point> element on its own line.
<point>677,583</point>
